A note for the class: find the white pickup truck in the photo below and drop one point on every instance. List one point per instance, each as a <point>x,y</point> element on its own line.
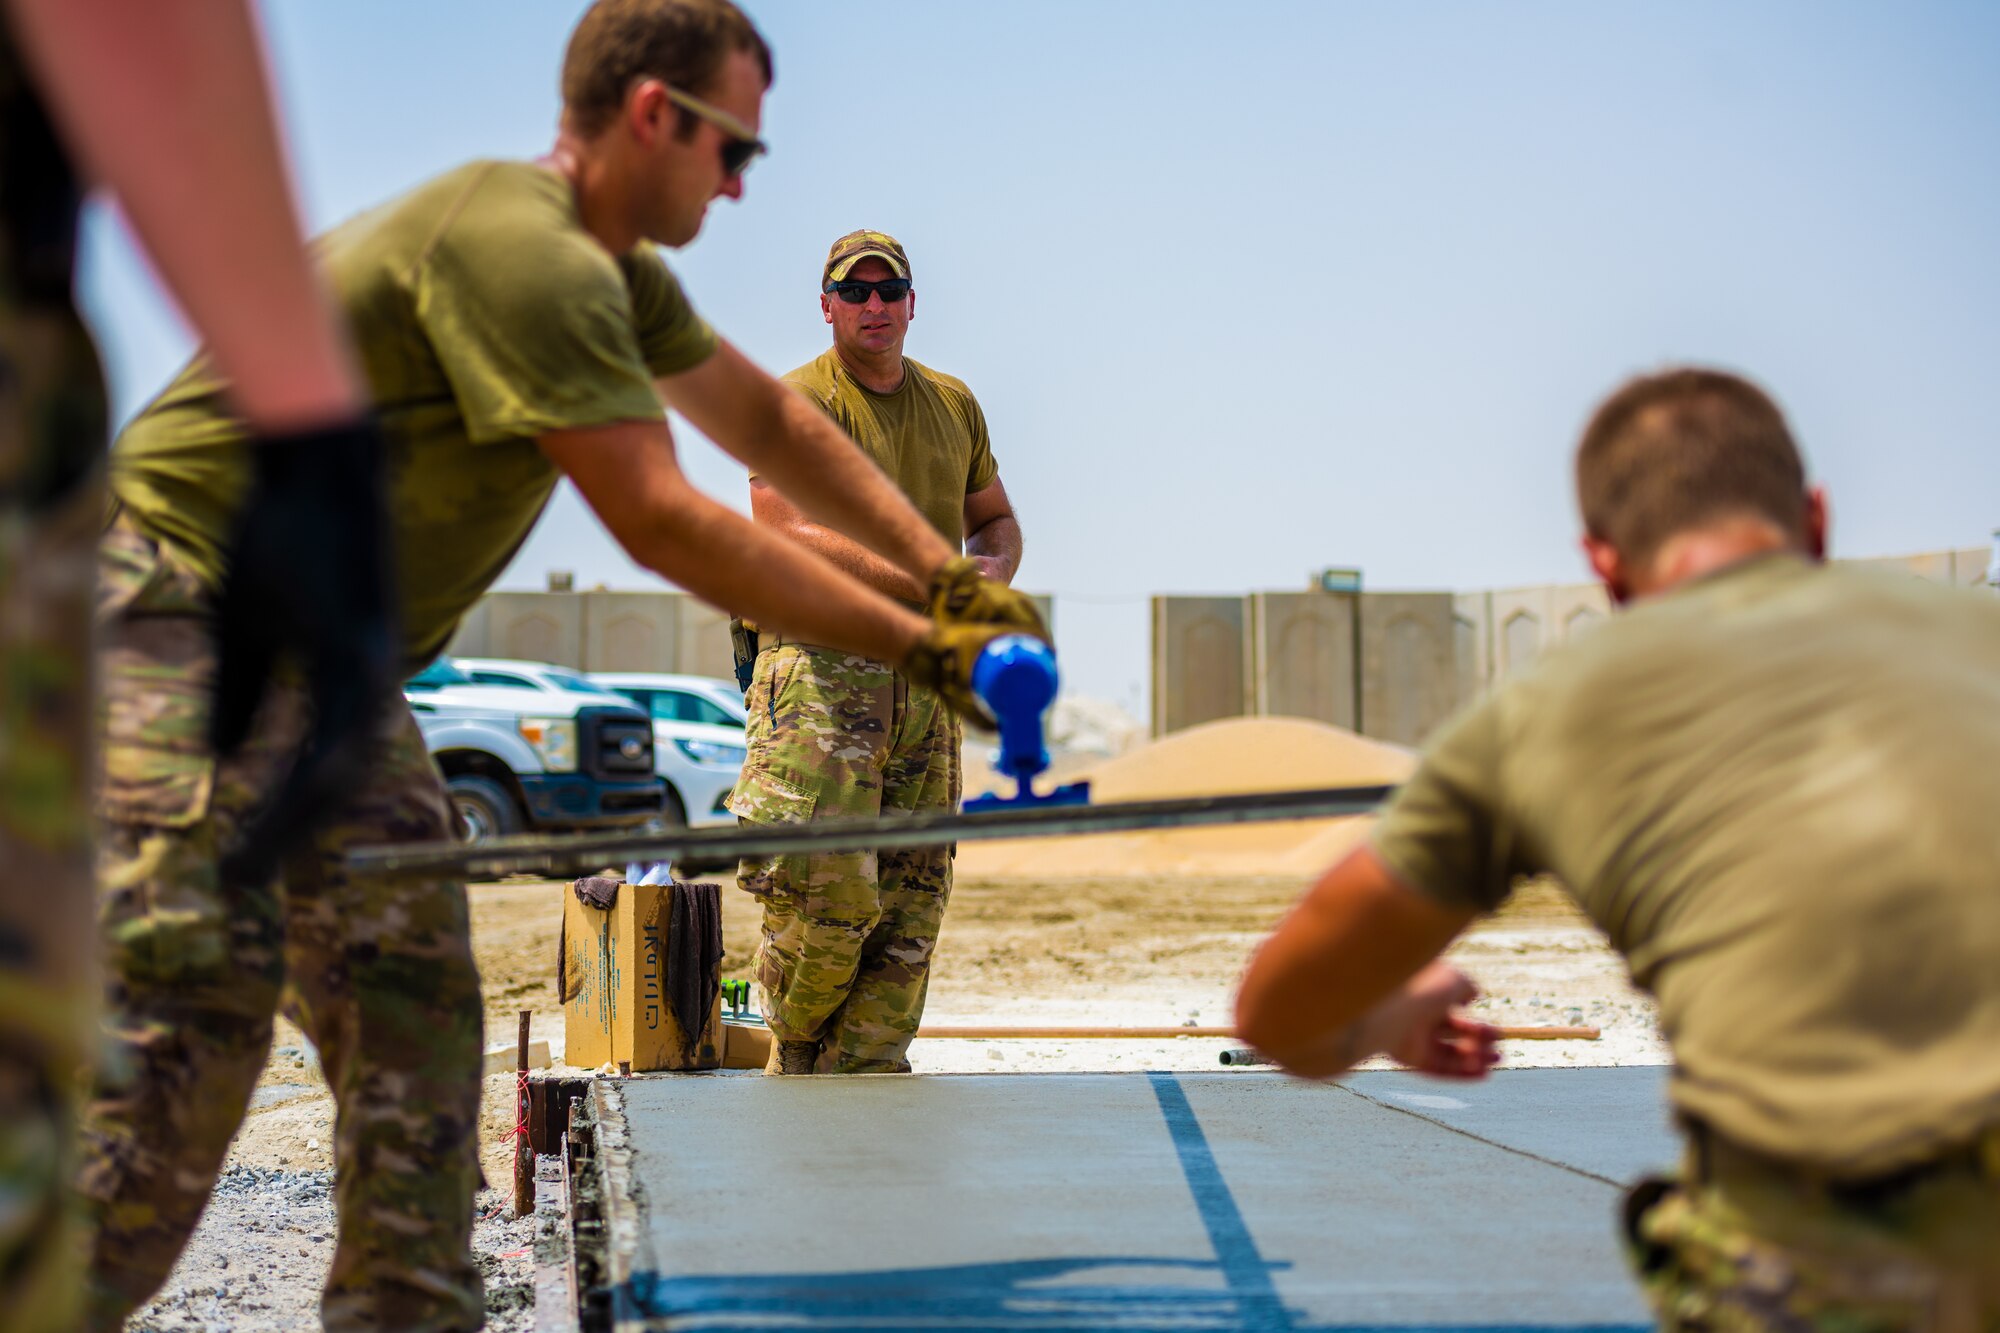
<point>516,760</point>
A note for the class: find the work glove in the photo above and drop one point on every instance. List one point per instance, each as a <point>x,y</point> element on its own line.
<point>943,661</point>
<point>960,595</point>
<point>308,584</point>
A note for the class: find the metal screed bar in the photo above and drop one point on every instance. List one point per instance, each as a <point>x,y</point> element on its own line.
<point>712,849</point>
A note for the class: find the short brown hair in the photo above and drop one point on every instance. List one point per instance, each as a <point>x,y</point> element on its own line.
<point>1682,448</point>
<point>680,42</point>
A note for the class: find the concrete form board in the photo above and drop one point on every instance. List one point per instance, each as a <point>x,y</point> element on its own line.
<point>1044,1202</point>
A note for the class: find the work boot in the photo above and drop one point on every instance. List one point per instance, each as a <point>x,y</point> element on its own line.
<point>792,1057</point>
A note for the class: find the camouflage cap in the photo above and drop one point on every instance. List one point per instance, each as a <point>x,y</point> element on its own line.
<point>856,246</point>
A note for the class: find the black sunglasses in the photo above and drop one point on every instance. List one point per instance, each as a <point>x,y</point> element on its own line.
<point>739,146</point>
<point>740,153</point>
<point>891,290</point>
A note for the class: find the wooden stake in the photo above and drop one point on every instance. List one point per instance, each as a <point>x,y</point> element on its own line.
<point>1162,1033</point>
<point>524,1153</point>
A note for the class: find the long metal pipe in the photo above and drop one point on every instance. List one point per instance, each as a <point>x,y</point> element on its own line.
<point>703,850</point>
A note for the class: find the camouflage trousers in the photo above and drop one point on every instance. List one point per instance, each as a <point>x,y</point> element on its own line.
<point>846,948</point>
<point>51,509</point>
<point>378,974</point>
<point>1749,1249</point>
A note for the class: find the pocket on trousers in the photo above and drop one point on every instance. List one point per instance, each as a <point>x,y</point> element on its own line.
<point>762,797</point>
<point>156,765</point>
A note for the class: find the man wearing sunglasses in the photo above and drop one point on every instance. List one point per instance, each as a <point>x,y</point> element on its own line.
<point>847,938</point>
<point>514,325</point>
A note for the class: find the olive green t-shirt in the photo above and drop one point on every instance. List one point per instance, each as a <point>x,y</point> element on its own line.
<point>1777,790</point>
<point>484,316</point>
<point>929,436</point>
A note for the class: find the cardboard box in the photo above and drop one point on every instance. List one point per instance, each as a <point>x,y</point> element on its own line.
<point>745,1045</point>
<point>615,977</point>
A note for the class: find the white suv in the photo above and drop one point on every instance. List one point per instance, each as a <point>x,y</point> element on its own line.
<point>697,737</point>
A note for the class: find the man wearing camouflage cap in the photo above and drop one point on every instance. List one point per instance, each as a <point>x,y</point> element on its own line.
<point>847,939</point>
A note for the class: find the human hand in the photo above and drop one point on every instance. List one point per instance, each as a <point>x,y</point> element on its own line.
<point>965,592</point>
<point>1426,1030</point>
<point>307,580</point>
<point>943,660</point>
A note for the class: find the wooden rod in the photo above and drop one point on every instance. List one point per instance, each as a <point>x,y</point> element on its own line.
<point>524,1153</point>
<point>987,1032</point>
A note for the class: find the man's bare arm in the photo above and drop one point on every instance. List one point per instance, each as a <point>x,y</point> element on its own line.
<point>992,532</point>
<point>769,507</point>
<point>629,474</point>
<point>1351,972</point>
<point>164,101</point>
<point>791,444</point>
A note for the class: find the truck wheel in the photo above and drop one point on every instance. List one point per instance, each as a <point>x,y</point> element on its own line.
<point>485,806</point>
<point>673,812</point>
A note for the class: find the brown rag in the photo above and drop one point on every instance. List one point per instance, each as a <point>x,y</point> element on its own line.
<point>694,958</point>
<point>597,891</point>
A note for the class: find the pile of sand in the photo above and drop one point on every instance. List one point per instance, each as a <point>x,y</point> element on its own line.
<point>1247,754</point>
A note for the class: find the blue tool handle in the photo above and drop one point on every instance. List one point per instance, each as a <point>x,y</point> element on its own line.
<point>1015,677</point>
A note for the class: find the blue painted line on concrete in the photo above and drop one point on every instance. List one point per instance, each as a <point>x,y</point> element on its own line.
<point>1052,1295</point>
<point>1249,1277</point>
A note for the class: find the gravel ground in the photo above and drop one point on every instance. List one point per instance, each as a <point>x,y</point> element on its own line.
<point>256,1263</point>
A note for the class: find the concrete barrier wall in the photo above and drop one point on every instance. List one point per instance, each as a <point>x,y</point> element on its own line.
<point>1392,665</point>
<point>600,631</point>
<point>1199,651</point>
<point>1962,565</point>
<point>1409,664</point>
<point>1304,654</point>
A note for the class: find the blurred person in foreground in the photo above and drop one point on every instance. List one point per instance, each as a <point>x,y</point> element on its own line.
<point>1770,782</point>
<point>845,953</point>
<point>515,324</point>
<point>164,104</point>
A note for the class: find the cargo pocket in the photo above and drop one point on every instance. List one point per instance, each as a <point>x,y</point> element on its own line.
<point>762,797</point>
<point>157,768</point>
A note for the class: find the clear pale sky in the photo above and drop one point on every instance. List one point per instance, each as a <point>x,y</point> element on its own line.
<point>1247,290</point>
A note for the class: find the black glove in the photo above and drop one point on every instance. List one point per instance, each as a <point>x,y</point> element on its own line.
<point>308,584</point>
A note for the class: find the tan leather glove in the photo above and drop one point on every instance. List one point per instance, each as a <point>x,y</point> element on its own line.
<point>943,659</point>
<point>961,595</point>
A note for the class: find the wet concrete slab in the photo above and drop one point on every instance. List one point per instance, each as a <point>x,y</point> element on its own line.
<point>1130,1201</point>
<point>1581,1118</point>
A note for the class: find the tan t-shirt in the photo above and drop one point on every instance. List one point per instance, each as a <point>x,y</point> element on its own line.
<point>929,435</point>
<point>484,316</point>
<point>1777,790</point>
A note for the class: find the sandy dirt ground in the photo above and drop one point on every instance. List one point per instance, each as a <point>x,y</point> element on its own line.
<point>1161,951</point>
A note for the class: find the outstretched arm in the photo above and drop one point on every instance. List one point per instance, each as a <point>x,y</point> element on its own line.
<point>770,508</point>
<point>791,444</point>
<point>629,474</point>
<point>165,102</point>
<point>1353,971</point>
